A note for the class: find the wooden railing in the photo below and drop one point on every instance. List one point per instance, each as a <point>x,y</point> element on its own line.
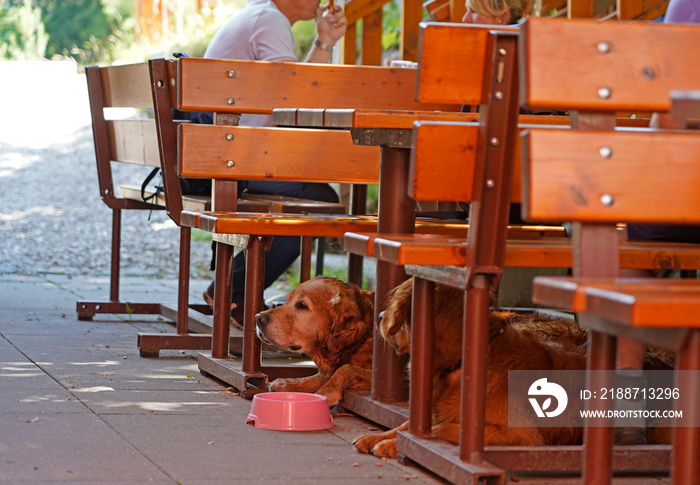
<point>370,44</point>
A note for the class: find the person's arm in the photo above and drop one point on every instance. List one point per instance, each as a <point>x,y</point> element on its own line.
<point>330,28</point>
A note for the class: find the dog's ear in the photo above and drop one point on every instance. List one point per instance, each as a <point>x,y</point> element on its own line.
<point>352,314</point>
<point>497,325</point>
<point>398,310</point>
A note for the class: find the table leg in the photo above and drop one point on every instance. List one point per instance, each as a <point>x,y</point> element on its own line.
<point>395,214</point>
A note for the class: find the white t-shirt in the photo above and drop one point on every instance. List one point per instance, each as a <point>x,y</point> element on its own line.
<point>259,32</point>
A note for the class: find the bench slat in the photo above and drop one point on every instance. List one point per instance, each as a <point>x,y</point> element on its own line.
<point>572,75</point>
<point>119,89</point>
<point>265,224</point>
<point>547,252</point>
<point>567,178</point>
<point>275,153</point>
<point>451,179</point>
<point>259,87</point>
<point>133,141</point>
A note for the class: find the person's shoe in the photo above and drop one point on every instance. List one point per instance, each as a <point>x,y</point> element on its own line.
<point>236,309</point>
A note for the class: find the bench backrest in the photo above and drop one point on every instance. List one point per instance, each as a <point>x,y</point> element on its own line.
<point>481,154</point>
<point>121,140</point>
<point>449,53</point>
<point>230,88</point>
<point>605,66</point>
<point>595,175</point>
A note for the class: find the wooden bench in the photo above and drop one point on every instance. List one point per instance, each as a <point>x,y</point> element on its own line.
<point>597,177</point>
<point>139,140</point>
<point>229,153</point>
<point>436,255</point>
<point>132,141</point>
<point>431,138</point>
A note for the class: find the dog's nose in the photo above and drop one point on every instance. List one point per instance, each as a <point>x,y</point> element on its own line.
<point>262,319</point>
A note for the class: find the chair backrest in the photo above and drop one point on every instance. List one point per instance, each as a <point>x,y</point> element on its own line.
<point>121,140</point>
<point>596,175</point>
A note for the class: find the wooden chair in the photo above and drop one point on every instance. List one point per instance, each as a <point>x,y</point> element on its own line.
<point>598,176</point>
<point>487,187</point>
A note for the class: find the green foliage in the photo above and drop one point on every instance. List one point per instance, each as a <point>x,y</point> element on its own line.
<point>22,34</point>
<point>78,29</point>
<point>372,199</point>
<point>391,26</point>
<point>304,35</point>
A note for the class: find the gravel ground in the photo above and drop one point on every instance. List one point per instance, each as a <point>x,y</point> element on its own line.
<point>51,217</point>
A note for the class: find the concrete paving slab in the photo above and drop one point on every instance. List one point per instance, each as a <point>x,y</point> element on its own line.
<point>37,402</point>
<point>78,405</point>
<point>112,401</point>
<point>21,374</point>
<point>68,448</point>
<point>223,447</point>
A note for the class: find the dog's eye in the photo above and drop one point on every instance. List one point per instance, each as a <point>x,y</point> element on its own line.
<point>301,305</point>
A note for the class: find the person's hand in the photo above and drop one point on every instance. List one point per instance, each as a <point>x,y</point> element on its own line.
<point>330,25</point>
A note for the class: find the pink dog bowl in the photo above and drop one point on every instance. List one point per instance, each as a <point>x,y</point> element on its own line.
<point>290,411</point>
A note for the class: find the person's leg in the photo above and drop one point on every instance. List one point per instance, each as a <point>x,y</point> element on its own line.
<point>284,250</point>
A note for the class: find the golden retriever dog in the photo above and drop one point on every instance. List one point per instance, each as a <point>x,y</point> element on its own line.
<point>332,322</point>
<point>528,341</point>
<point>516,342</point>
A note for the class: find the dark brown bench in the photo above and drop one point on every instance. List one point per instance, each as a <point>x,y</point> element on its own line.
<point>138,140</point>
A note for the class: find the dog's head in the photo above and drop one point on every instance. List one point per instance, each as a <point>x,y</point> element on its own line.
<point>323,317</point>
<point>395,325</point>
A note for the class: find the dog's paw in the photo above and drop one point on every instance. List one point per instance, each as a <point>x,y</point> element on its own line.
<point>385,448</point>
<point>334,396</point>
<point>282,385</point>
<point>366,442</point>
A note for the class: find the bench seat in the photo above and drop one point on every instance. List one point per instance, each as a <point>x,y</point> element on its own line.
<point>547,252</point>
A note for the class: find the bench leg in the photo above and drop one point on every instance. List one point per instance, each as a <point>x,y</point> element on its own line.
<point>307,247</point>
<point>597,457</point>
<point>116,248</point>
<point>474,350</point>
<point>422,337</point>
<point>254,288</point>
<point>320,254</point>
<point>183,287</point>
<point>222,301</point>
<point>685,467</point>
<point>388,379</point>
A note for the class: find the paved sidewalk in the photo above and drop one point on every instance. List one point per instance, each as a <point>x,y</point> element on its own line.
<point>78,404</point>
